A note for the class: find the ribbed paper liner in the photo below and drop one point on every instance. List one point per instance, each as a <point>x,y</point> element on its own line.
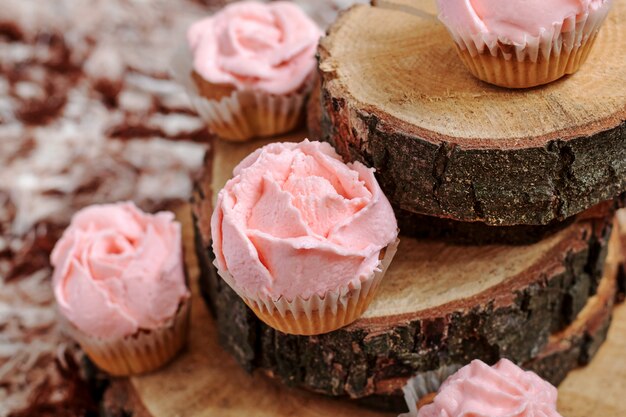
<point>540,60</point>
<point>244,114</point>
<point>141,352</point>
<point>317,315</point>
<point>421,388</point>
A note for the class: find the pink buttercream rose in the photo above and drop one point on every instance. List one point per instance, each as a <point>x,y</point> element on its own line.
<point>296,221</point>
<point>503,390</point>
<point>118,270</point>
<point>514,21</point>
<point>270,47</point>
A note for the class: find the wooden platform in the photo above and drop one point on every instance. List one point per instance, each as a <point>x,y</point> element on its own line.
<point>207,382</point>
<point>440,303</point>
<point>395,95</point>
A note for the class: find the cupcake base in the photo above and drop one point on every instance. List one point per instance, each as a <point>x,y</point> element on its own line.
<point>239,115</point>
<point>242,115</point>
<point>318,314</point>
<point>539,60</point>
<point>421,389</point>
<point>144,351</point>
<point>511,73</point>
<point>317,323</point>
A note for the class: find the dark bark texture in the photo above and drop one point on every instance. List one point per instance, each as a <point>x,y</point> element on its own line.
<point>552,364</point>
<point>497,186</point>
<point>428,227</point>
<point>370,362</point>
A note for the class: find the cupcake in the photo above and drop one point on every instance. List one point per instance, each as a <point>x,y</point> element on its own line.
<point>502,390</point>
<point>302,237</point>
<point>522,43</point>
<point>421,389</point>
<point>253,65</point>
<point>119,282</point>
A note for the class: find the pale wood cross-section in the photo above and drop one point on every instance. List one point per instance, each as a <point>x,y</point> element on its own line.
<point>504,300</point>
<point>205,381</point>
<point>395,95</point>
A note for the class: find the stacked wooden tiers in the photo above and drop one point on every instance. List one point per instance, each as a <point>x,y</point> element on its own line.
<point>509,197</point>
<point>546,305</point>
<point>506,202</point>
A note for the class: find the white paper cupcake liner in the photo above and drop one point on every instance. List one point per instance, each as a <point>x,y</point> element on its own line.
<point>539,60</point>
<point>546,44</point>
<point>141,352</point>
<point>317,314</point>
<point>244,114</point>
<point>424,384</point>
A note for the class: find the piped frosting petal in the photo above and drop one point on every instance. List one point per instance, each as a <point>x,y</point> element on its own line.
<point>269,47</point>
<point>296,221</point>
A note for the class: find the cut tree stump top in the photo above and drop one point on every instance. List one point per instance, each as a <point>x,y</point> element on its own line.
<point>432,274</point>
<point>406,67</point>
<point>435,296</point>
<point>206,381</point>
<point>396,96</point>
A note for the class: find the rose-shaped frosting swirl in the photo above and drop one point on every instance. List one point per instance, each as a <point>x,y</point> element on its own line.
<point>118,270</point>
<point>513,21</point>
<point>296,221</point>
<point>269,47</point>
<point>503,390</point>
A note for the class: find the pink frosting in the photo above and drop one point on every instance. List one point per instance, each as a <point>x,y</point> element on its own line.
<point>296,221</point>
<point>503,390</point>
<point>513,20</point>
<point>118,270</point>
<point>269,47</point>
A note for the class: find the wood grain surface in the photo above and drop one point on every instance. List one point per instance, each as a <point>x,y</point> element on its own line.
<point>440,303</point>
<point>206,382</point>
<point>395,95</point>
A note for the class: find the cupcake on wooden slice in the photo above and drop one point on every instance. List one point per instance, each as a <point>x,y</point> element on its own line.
<point>480,390</point>
<point>303,238</point>
<point>253,65</point>
<point>521,43</point>
<point>120,285</point>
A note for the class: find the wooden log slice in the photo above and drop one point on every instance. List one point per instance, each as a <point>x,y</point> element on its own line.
<point>395,96</point>
<point>577,344</point>
<point>567,349</point>
<point>205,381</point>
<point>477,232</point>
<point>439,303</point>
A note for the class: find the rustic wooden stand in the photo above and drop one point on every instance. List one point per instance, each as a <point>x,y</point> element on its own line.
<point>439,304</point>
<point>206,381</point>
<point>395,95</point>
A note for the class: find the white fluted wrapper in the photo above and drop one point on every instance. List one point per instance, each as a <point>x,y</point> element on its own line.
<point>317,314</point>
<point>423,385</point>
<point>245,114</point>
<point>141,352</point>
<point>540,60</point>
